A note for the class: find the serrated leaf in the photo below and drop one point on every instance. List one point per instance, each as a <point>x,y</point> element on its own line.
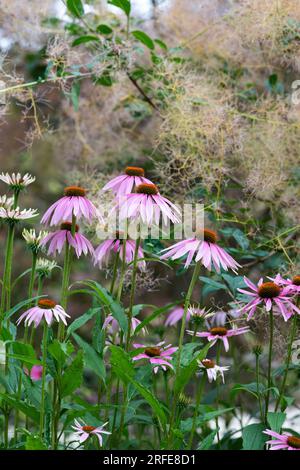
<point>82,320</point>
<point>28,410</point>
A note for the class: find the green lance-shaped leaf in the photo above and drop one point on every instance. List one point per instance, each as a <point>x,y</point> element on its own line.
<point>72,377</point>
<point>186,372</point>
<point>253,437</point>
<point>92,359</point>
<point>123,368</point>
<point>114,307</point>
<point>125,5</point>
<point>84,39</point>
<point>75,7</point>
<point>28,410</point>
<point>144,39</point>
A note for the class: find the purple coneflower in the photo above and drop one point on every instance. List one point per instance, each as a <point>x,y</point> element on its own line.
<point>158,355</point>
<point>271,295</point>
<point>293,284</point>
<point>46,309</point>
<point>125,184</point>
<point>220,333</point>
<point>148,205</point>
<point>58,238</point>
<point>212,369</point>
<point>282,441</point>
<point>116,245</point>
<point>207,251</point>
<point>83,432</point>
<point>74,203</point>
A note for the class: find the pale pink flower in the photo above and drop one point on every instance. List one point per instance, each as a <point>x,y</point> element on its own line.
<point>269,294</point>
<point>220,333</point>
<point>113,327</point>
<point>148,205</point>
<point>58,239</point>
<point>158,355</point>
<point>12,215</point>
<point>282,441</point>
<point>83,432</point>
<point>35,373</point>
<point>207,251</point>
<point>116,245</point>
<point>125,184</point>
<point>74,203</point>
<point>177,313</point>
<point>212,369</point>
<point>293,284</point>
<point>47,310</point>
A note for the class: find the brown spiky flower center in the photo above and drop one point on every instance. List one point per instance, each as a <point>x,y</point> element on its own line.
<point>46,304</point>
<point>134,171</point>
<point>88,428</point>
<point>269,290</point>
<point>296,280</point>
<point>294,442</point>
<point>218,330</point>
<point>74,191</point>
<point>152,351</point>
<point>210,236</point>
<point>146,188</point>
<point>207,235</point>
<point>208,363</point>
<point>68,226</point>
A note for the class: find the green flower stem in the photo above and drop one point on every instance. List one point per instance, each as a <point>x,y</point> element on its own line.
<point>258,387</point>
<point>218,389</point>
<point>6,282</point>
<point>30,288</point>
<point>132,291</point>
<point>194,279</point>
<point>199,394</point>
<point>44,357</point>
<point>269,365</point>
<point>288,360</point>
<point>66,279</point>
<point>25,338</point>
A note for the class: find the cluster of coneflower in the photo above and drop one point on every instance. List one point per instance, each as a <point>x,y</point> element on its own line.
<point>138,199</point>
